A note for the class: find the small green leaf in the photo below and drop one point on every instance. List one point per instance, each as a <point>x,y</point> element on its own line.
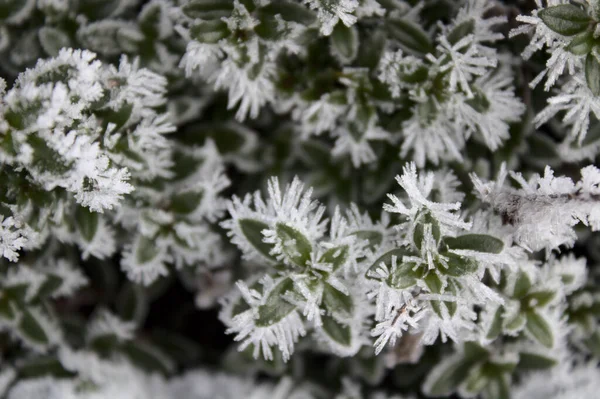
<point>496,325</point>
<point>275,307</point>
<point>32,329</point>
<point>476,381</point>
<point>475,242</point>
<point>459,266</point>
<point>405,276</point>
<point>344,43</point>
<point>87,223</point>
<point>119,117</point>
<point>338,332</point>
<point>146,249</point>
<point>410,36</point>
<point>539,328</point>
<point>53,39</point>
<point>335,256</point>
<point>337,302</point>
<point>290,11</point>
<point>49,287</point>
<point>592,74</point>
<point>516,323</point>
<point>461,31</point>
<point>433,282</point>
<point>565,19</point>
<point>539,299</point>
<point>42,366</point>
<point>208,9</point>
<point>582,43</point>
<point>419,231</point>
<point>497,388</point>
<point>252,230</point>
<point>186,202</point>
<point>296,246</point>
<point>209,32</point>
<point>132,304</point>
<point>535,361</point>
<point>522,285</point>
<point>148,357</point>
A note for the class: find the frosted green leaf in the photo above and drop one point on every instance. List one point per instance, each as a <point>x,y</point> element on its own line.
<point>475,242</point>
<point>275,307</point>
<point>252,230</point>
<point>539,328</point>
<point>566,19</point>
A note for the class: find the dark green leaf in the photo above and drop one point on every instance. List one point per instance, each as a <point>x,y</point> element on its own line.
<point>335,256</point>
<point>386,259</point>
<point>535,361</point>
<point>53,39</point>
<point>148,357</point>
<point>295,245</point>
<point>32,329</point>
<point>252,230</point>
<point>186,202</point>
<point>146,249</point>
<point>209,31</point>
<point>87,223</point>
<point>344,43</point>
<point>337,302</point>
<point>496,326</point>
<point>475,242</point>
<point>592,74</point>
<point>410,36</point>
<point>459,265</point>
<point>582,43</point>
<point>566,19</point>
<point>275,307</point>
<point>208,9</point>
<point>462,30</point>
<point>539,328</point>
<point>522,285</point>
<point>338,332</point>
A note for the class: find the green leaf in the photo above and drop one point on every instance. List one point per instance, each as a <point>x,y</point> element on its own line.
<point>565,19</point>
<point>459,266</point>
<point>497,388</point>
<point>338,332</point>
<point>539,329</point>
<point>419,231</point>
<point>582,43</point>
<point>275,307</point>
<point>208,9</point>
<point>344,43</point>
<point>148,357</point>
<point>209,32</point>
<point>53,39</point>
<point>132,304</point>
<point>447,376</point>
<point>433,282</point>
<point>49,287</point>
<point>410,36</point>
<point>462,30</point>
<point>119,117</point>
<point>592,74</point>
<point>496,325</point>
<point>335,256</point>
<point>522,285</point>
<point>371,50</point>
<point>516,323</point>
<point>186,202</point>
<point>87,223</point>
<point>337,302</point>
<point>146,249</point>
<point>405,276</point>
<point>290,11</point>
<point>42,366</point>
<point>32,329</point>
<point>386,259</point>
<point>539,299</point>
<point>252,231</point>
<point>475,242</point>
<point>476,381</point>
<point>535,361</point>
<point>296,247</point>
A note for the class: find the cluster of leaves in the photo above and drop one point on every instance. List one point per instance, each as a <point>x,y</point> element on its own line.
<point>124,123</point>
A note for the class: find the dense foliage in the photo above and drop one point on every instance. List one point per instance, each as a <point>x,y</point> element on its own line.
<point>383,199</point>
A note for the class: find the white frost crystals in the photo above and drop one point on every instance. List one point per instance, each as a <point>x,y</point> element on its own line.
<point>545,210</point>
